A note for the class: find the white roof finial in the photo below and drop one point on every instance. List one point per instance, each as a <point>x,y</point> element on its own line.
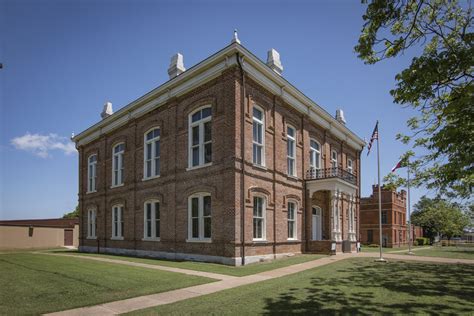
<point>107,111</point>
<point>176,65</point>
<point>274,62</point>
<point>236,37</point>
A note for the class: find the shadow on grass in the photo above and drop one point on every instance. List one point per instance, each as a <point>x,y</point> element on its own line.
<point>393,288</point>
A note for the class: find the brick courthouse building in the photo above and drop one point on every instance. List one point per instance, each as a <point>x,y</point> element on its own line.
<point>225,162</point>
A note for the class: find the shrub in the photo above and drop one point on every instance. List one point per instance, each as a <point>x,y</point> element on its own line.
<point>420,241</point>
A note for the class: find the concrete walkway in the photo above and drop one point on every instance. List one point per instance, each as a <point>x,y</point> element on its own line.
<point>412,249</point>
<point>226,282</point>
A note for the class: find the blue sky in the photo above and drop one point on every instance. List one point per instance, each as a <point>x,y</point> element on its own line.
<point>64,59</point>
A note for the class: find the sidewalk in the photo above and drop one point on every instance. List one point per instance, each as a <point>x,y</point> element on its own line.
<point>226,282</point>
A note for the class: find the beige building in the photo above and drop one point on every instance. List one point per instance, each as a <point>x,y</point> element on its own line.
<point>39,233</point>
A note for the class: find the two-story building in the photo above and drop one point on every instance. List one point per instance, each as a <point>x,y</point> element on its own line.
<point>226,162</point>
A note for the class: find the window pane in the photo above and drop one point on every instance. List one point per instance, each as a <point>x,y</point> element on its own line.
<point>149,135</point>
<point>208,153</point>
<point>291,132</point>
<point>195,156</point>
<point>207,206</point>
<point>207,131</point>
<point>148,168</point>
<point>196,116</point>
<point>207,227</point>
<point>195,136</point>
<point>157,229</point>
<point>157,148</point>
<point>206,112</point>
<point>148,151</point>
<point>157,210</point>
<point>257,114</point>
<point>156,133</point>
<point>148,211</point>
<point>195,228</point>
<point>148,228</point>
<point>157,166</point>
<point>195,207</point>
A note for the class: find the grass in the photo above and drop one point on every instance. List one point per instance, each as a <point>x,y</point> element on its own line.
<point>349,287</point>
<point>389,250</point>
<point>446,252</point>
<point>214,267</point>
<point>37,283</point>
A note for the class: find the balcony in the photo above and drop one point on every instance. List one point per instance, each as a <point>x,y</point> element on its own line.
<point>318,174</point>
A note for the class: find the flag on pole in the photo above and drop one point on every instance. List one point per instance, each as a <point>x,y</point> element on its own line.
<point>375,135</point>
<point>398,165</point>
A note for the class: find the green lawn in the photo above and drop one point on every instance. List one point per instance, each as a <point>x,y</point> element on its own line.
<point>389,250</point>
<point>37,283</point>
<point>446,252</point>
<point>348,287</point>
<point>214,267</point>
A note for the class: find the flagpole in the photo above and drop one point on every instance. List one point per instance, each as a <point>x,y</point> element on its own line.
<point>380,259</point>
<point>409,212</point>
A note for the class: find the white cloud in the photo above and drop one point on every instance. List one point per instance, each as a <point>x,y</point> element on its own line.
<point>41,145</point>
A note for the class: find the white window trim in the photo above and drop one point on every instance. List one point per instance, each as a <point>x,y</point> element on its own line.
<point>117,235</point>
<point>91,224</point>
<point>262,145</point>
<point>334,161</point>
<point>350,166</point>
<point>201,237</point>
<point>264,216</point>
<point>313,153</point>
<point>119,171</point>
<point>295,221</point>
<point>153,142</point>
<point>153,221</point>
<point>89,176</point>
<point>201,143</point>
<point>288,138</point>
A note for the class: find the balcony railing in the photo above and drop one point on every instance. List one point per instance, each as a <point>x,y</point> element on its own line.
<point>315,174</point>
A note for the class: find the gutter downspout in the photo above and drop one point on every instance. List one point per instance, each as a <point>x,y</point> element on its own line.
<point>242,154</point>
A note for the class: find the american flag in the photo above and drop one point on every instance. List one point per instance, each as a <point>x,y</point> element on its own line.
<point>375,135</point>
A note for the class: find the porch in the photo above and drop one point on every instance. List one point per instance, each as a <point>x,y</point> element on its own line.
<point>331,211</point>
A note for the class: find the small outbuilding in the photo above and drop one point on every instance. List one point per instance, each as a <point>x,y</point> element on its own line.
<point>39,233</point>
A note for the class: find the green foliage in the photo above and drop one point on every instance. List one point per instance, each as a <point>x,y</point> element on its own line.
<point>422,241</point>
<point>72,214</point>
<point>438,84</point>
<point>439,216</point>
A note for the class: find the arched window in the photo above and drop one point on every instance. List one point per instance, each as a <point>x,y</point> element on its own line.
<point>315,154</point>
<point>199,217</point>
<point>91,223</point>
<point>200,137</point>
<point>291,150</point>
<point>151,220</point>
<point>117,221</point>
<point>92,173</point>
<point>259,216</point>
<point>117,164</point>
<point>292,213</point>
<point>152,154</point>
<point>258,138</point>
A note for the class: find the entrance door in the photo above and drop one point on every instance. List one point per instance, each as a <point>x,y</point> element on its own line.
<point>317,230</point>
<point>68,236</point>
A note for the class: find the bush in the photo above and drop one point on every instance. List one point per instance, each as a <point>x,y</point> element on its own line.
<point>421,241</point>
<point>373,246</point>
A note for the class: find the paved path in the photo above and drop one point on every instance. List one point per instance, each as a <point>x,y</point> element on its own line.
<point>412,249</point>
<point>225,282</point>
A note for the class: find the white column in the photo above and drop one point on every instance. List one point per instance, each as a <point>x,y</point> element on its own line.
<point>352,234</point>
<point>336,214</point>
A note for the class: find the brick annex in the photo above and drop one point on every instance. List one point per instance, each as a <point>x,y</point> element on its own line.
<point>226,162</point>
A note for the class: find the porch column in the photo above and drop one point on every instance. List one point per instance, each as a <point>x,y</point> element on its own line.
<point>335,215</point>
<point>352,233</point>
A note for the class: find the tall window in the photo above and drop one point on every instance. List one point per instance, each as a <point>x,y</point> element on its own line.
<point>91,226</point>
<point>200,217</point>
<point>315,154</point>
<point>384,217</point>
<point>117,164</point>
<point>92,173</point>
<point>258,137</point>
<point>350,168</point>
<point>152,154</point>
<point>291,220</point>
<point>259,218</point>
<point>200,137</point>
<point>152,220</point>
<point>333,159</point>
<point>370,236</point>
<point>291,150</point>
<point>117,221</point>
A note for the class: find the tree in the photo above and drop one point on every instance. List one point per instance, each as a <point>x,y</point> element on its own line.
<point>438,84</point>
<point>439,216</point>
<point>72,214</point>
